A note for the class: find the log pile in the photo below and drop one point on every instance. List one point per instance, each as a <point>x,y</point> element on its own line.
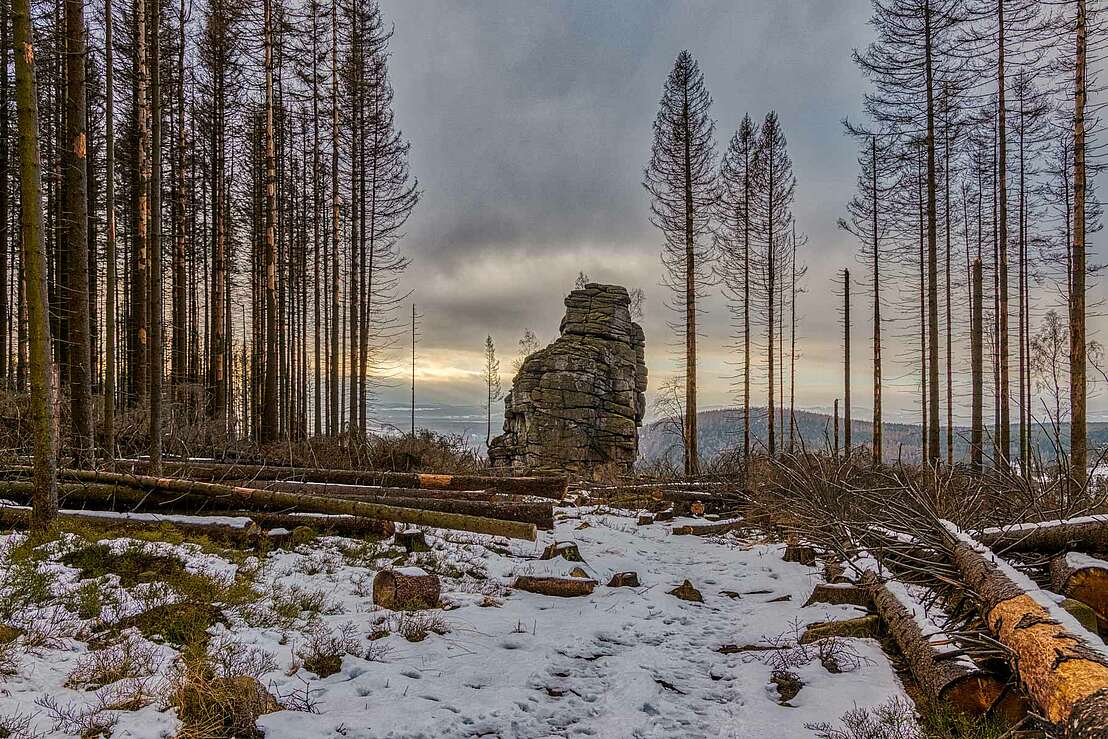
<point>349,506</point>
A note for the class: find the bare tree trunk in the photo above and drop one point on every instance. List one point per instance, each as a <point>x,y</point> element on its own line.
<point>932,255</point>
<point>180,278</point>
<point>140,238</point>
<point>5,235</point>
<point>692,454</point>
<point>846,362</point>
<point>1078,443</point>
<point>76,230</point>
<point>111,257</point>
<point>977,433</point>
<point>334,427</point>
<point>878,444</point>
<point>45,495</point>
<point>157,359</point>
<point>269,401</point>
<point>1005,430</point>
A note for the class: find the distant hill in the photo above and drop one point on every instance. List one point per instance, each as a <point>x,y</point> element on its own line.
<point>720,430</point>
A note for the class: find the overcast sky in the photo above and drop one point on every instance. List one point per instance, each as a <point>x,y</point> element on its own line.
<point>530,124</point>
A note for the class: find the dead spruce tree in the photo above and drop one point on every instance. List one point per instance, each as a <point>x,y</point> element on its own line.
<point>772,254</point>
<point>681,179</point>
<point>907,66</point>
<point>740,185</point>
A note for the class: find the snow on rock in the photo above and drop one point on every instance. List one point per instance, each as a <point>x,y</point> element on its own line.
<point>621,662</point>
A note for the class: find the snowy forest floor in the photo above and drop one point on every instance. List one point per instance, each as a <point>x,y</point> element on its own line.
<point>493,662</point>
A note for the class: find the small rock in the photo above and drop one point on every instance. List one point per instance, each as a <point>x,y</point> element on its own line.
<point>686,591</point>
<point>788,685</point>
<point>624,580</point>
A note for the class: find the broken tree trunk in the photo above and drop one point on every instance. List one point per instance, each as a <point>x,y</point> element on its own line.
<point>1089,533</point>
<point>406,589</point>
<point>1063,667</point>
<point>543,487</point>
<point>1082,578</point>
<point>247,498</point>
<point>562,587</point>
<point>945,674</point>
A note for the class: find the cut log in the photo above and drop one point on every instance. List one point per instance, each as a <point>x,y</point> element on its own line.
<point>947,676</point>
<point>645,519</point>
<point>543,487</point>
<point>562,587</point>
<point>247,497</point>
<point>839,594</point>
<point>406,589</point>
<point>1087,533</point>
<point>861,628</point>
<point>1082,578</point>
<point>1063,667</point>
<point>708,529</point>
<point>624,580</point>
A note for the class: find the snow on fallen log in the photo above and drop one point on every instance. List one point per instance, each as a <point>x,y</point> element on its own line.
<point>248,498</point>
<point>1083,532</point>
<point>1084,578</point>
<point>1063,667</point>
<point>938,666</point>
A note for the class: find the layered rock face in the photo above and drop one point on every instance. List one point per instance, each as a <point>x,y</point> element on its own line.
<point>577,405</point>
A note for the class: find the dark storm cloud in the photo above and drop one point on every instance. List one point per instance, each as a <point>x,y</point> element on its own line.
<point>530,124</point>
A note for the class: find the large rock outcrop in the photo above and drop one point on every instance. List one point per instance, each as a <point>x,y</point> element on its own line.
<point>577,405</point>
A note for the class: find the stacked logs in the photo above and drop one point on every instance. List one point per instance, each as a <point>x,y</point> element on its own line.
<point>354,503</point>
<point>1061,665</point>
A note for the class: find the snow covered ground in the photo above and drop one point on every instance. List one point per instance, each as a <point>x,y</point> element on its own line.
<point>622,662</point>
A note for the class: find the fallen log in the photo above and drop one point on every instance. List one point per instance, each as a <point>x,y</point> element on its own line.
<point>561,587</point>
<point>1063,667</point>
<point>938,666</point>
<point>708,529</point>
<point>340,525</point>
<point>247,497</point>
<point>540,514</point>
<point>1082,578</point>
<point>333,490</point>
<point>543,487</point>
<point>1088,533</point>
<point>240,531</point>
<point>406,589</point>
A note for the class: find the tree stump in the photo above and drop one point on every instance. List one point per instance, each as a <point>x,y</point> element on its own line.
<point>861,627</point>
<point>801,553</point>
<point>406,589</point>
<point>837,595</point>
<point>645,519</point>
<point>561,587</point>
<point>411,540</point>
<point>624,580</point>
<point>567,550</point>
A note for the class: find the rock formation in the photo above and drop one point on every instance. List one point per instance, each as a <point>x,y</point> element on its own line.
<point>577,405</point>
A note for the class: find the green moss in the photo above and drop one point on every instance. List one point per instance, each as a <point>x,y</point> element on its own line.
<point>177,623</point>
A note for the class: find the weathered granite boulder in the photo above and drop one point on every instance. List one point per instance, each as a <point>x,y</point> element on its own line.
<point>577,405</point>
